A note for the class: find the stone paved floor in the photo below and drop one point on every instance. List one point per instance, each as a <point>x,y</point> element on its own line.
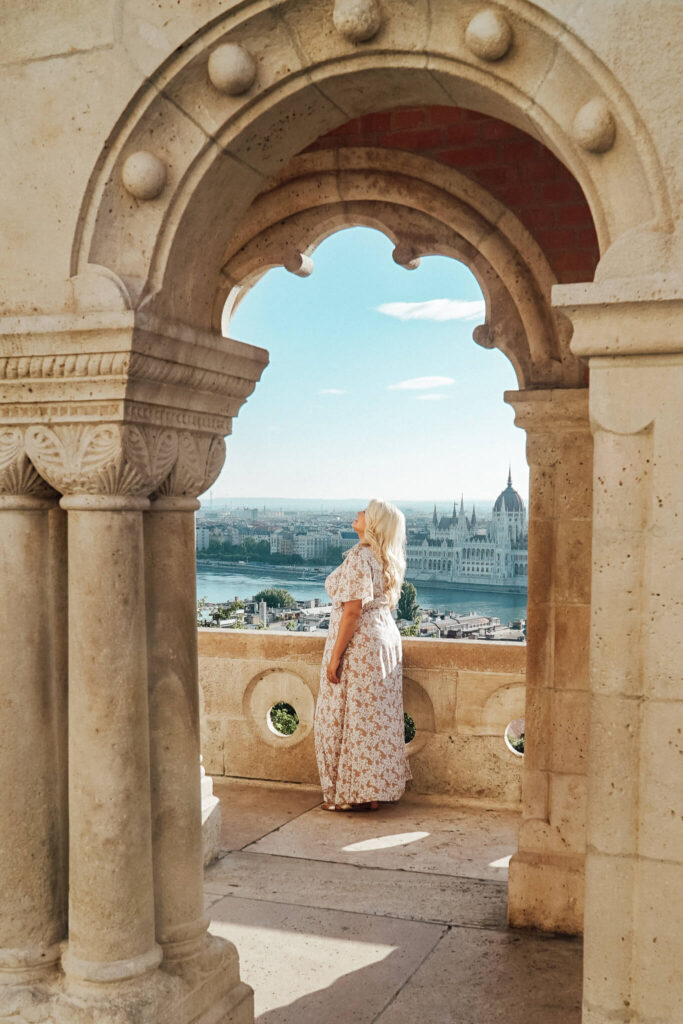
<point>387,917</point>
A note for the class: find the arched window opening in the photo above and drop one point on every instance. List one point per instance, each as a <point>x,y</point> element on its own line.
<point>375,388</point>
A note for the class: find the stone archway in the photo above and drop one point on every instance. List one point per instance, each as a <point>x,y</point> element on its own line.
<point>118,390</point>
<point>212,133</point>
<point>425,208</point>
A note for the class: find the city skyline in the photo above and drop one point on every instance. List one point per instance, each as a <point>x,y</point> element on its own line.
<point>375,386</point>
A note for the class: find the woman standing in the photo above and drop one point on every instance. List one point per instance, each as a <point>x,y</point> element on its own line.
<point>359,730</point>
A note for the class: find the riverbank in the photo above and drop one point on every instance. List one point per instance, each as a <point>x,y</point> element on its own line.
<point>222,582</point>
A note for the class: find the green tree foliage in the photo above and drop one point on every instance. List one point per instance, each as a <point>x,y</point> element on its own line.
<point>284,718</point>
<point>276,597</point>
<point>201,611</point>
<point>517,742</point>
<point>251,550</point>
<point>409,729</point>
<point>410,630</point>
<point>408,607</point>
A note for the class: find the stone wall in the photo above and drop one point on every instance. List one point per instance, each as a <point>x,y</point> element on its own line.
<point>461,696</point>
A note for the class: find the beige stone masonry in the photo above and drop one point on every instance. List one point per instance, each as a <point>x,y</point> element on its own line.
<point>461,696</point>
<point>425,208</point>
<point>114,413</point>
<point>546,874</point>
<point>33,860</point>
<point>634,914</point>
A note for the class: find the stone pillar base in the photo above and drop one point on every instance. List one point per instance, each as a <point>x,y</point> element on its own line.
<point>545,891</point>
<point>202,990</point>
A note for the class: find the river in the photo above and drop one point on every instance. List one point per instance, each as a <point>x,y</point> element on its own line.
<point>219,583</point>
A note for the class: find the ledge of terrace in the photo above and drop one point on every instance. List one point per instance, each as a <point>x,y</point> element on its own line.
<point>461,696</point>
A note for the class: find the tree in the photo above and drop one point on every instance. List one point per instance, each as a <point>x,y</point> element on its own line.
<point>276,597</point>
<point>408,607</point>
<point>410,630</point>
<point>201,608</point>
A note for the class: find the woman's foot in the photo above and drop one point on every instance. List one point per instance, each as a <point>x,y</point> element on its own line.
<point>336,807</point>
<point>369,805</point>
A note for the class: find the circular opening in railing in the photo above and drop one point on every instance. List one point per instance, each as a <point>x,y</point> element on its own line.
<point>514,737</point>
<point>282,719</point>
<point>409,729</point>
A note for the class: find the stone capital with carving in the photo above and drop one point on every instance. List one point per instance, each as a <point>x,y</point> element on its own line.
<point>200,460</point>
<point>109,459</point>
<point>18,476</point>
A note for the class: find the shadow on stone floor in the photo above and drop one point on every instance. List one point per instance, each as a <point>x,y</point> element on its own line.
<point>388,939</point>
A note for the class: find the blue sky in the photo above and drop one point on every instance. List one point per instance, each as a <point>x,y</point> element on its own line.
<point>375,387</point>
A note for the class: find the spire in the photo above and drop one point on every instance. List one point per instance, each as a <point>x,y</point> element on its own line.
<point>455,511</point>
<point>462,504</point>
<point>474,516</point>
<point>435,518</point>
<point>509,476</point>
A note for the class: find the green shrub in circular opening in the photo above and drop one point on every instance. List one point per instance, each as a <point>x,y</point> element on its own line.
<point>517,742</point>
<point>409,729</point>
<point>284,718</point>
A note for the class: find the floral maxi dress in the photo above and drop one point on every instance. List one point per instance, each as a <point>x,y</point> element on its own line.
<point>359,730</point>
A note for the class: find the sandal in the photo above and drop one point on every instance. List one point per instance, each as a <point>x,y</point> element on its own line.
<point>336,807</point>
<point>369,805</point>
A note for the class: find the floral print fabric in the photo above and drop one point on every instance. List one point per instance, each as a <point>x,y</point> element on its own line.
<point>359,730</point>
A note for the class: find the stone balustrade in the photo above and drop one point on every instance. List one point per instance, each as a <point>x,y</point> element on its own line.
<point>461,696</point>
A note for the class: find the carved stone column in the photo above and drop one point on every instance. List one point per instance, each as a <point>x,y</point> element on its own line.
<point>634,861</point>
<point>101,398</point>
<point>33,882</point>
<point>105,471</point>
<point>547,873</point>
<point>174,721</point>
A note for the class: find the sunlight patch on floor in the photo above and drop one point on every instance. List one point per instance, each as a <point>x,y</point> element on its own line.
<point>385,842</point>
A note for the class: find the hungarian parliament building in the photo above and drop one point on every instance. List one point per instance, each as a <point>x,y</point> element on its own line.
<point>463,553</point>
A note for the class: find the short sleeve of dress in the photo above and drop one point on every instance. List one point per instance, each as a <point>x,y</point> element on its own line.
<point>355,578</point>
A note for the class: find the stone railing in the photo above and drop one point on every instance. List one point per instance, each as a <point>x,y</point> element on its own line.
<point>461,696</point>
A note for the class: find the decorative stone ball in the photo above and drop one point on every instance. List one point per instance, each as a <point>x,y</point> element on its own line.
<point>232,69</point>
<point>489,35</point>
<point>144,175</point>
<point>594,126</point>
<point>357,20</point>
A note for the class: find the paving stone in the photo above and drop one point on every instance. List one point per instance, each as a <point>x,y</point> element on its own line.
<point>443,840</point>
<point>486,977</point>
<point>251,810</point>
<point>408,895</point>
<point>309,966</point>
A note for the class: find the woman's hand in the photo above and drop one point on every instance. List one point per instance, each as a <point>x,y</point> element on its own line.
<point>350,617</point>
<point>333,669</point>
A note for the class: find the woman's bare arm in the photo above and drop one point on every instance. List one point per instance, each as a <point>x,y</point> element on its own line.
<point>351,611</point>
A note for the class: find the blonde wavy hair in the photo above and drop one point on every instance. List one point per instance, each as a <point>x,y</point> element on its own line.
<point>385,535</point>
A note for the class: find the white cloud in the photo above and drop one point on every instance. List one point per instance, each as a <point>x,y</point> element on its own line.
<point>430,398</point>
<point>435,309</point>
<point>422,383</point>
<point>331,391</point>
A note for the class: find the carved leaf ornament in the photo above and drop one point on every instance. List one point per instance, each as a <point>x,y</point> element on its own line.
<point>17,475</point>
<point>102,458</point>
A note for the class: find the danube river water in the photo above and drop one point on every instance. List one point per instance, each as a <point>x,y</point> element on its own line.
<point>224,583</point>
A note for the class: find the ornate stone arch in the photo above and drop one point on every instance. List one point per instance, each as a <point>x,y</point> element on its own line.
<point>216,139</point>
<point>424,208</point>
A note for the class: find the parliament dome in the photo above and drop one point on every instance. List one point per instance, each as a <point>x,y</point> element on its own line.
<point>509,500</point>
